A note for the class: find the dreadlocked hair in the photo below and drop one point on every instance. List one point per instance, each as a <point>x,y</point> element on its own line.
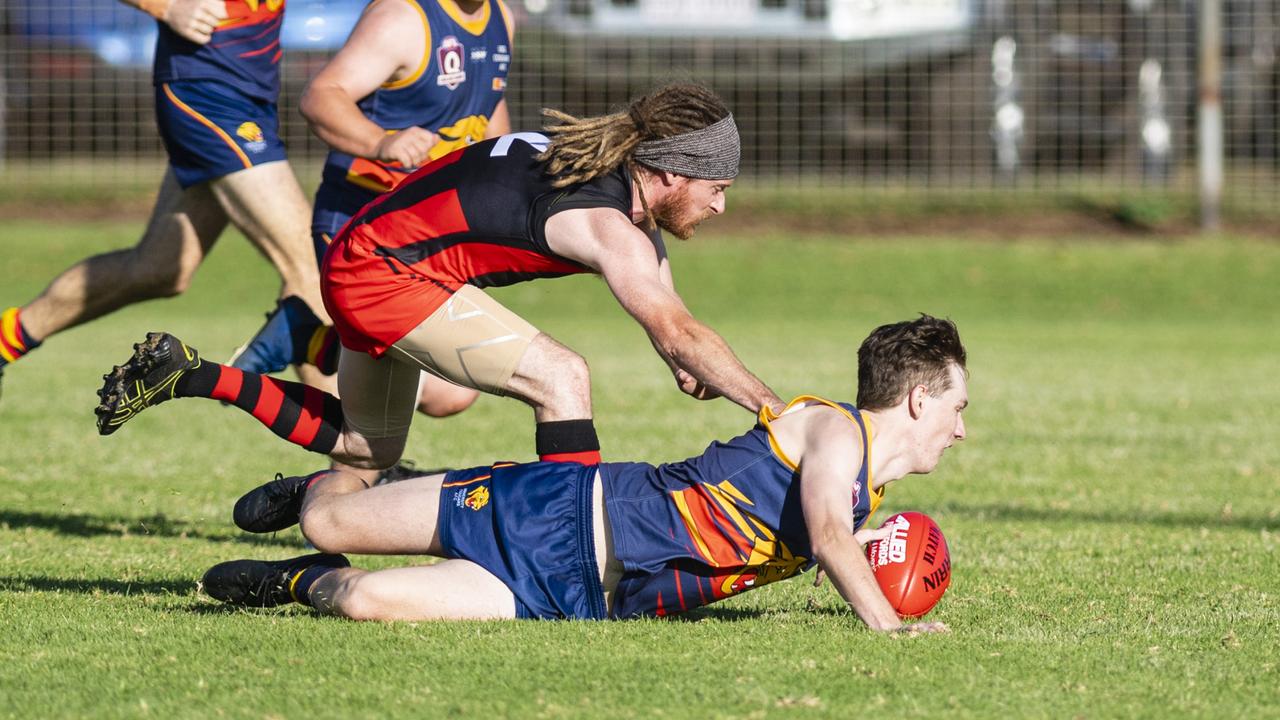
<point>585,148</point>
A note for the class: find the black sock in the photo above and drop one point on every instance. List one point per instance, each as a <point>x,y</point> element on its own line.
<point>300,584</point>
<point>568,441</point>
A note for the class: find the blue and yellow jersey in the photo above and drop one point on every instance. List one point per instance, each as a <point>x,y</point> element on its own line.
<point>453,93</point>
<point>243,53</point>
<point>726,521</point>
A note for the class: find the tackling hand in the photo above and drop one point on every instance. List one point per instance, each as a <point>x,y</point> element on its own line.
<point>694,388</point>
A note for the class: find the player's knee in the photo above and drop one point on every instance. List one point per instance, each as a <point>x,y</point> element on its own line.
<point>369,453</point>
<point>564,385</point>
<point>315,524</point>
<point>572,376</point>
<point>322,527</point>
<point>444,404</point>
<point>383,455</point>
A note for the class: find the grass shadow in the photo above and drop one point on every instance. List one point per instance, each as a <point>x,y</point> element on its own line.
<point>207,606</point>
<point>157,525</point>
<point>722,614</point>
<point>93,586</point>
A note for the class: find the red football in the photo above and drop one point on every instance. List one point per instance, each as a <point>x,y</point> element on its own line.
<point>912,565</point>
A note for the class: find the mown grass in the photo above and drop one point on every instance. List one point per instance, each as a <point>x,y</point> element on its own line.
<point>1113,517</point>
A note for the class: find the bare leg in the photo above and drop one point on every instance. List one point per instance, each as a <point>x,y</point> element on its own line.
<point>267,205</point>
<point>451,590</point>
<point>340,515</point>
<point>552,379</point>
<point>436,398</point>
<point>184,226</point>
<point>377,403</point>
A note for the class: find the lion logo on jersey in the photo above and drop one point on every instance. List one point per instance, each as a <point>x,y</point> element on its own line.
<point>477,498</point>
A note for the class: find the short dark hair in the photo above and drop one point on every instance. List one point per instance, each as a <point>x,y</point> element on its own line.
<point>895,358</point>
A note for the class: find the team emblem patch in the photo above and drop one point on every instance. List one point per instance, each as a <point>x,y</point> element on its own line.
<point>451,56</point>
<point>477,498</point>
<point>499,84</point>
<point>252,135</point>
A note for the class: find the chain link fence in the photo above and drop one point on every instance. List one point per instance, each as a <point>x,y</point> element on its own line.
<point>921,94</point>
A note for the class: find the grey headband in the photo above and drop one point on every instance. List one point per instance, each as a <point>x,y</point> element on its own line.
<point>712,153</point>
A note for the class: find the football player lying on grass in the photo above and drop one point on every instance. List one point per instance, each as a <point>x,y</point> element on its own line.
<point>619,540</point>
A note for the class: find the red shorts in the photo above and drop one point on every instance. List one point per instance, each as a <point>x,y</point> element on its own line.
<point>374,300</point>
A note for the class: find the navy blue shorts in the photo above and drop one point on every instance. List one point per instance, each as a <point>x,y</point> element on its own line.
<point>334,205</point>
<point>211,130</point>
<point>531,526</point>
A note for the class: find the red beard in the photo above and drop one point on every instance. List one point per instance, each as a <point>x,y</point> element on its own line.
<point>676,217</point>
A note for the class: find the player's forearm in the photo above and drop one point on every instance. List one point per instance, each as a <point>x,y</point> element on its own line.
<point>702,353</point>
<point>842,558</point>
<point>336,119</point>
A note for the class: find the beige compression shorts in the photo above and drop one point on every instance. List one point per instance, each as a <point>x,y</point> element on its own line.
<point>471,340</point>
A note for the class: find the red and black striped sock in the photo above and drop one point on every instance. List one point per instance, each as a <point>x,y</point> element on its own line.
<point>568,441</point>
<point>298,413</point>
<point>14,339</point>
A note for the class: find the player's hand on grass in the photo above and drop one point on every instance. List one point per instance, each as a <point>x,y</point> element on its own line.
<point>194,20</point>
<point>923,628</point>
<point>690,386</point>
<point>409,147</point>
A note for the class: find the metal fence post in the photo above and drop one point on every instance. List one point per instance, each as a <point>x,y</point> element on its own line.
<point>4,92</point>
<point>1209,117</point>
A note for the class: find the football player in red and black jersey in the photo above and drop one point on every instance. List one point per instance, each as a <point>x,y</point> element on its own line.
<point>416,80</point>
<point>404,283</point>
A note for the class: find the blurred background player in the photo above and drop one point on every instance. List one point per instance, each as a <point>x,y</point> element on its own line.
<point>416,80</point>
<point>403,283</point>
<point>628,539</point>
<point>216,83</point>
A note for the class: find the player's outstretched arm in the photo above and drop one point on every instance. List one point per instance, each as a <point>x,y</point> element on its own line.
<point>193,20</point>
<point>831,453</point>
<point>387,44</point>
<point>607,241</point>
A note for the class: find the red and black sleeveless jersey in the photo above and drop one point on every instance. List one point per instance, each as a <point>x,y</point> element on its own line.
<point>475,216</point>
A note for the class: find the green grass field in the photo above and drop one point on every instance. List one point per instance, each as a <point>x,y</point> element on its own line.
<point>1113,517</point>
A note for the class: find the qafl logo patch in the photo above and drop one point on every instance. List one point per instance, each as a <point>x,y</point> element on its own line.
<point>451,57</point>
<point>252,136</point>
<point>477,498</point>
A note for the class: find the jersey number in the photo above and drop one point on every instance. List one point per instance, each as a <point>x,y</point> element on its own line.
<point>503,146</point>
